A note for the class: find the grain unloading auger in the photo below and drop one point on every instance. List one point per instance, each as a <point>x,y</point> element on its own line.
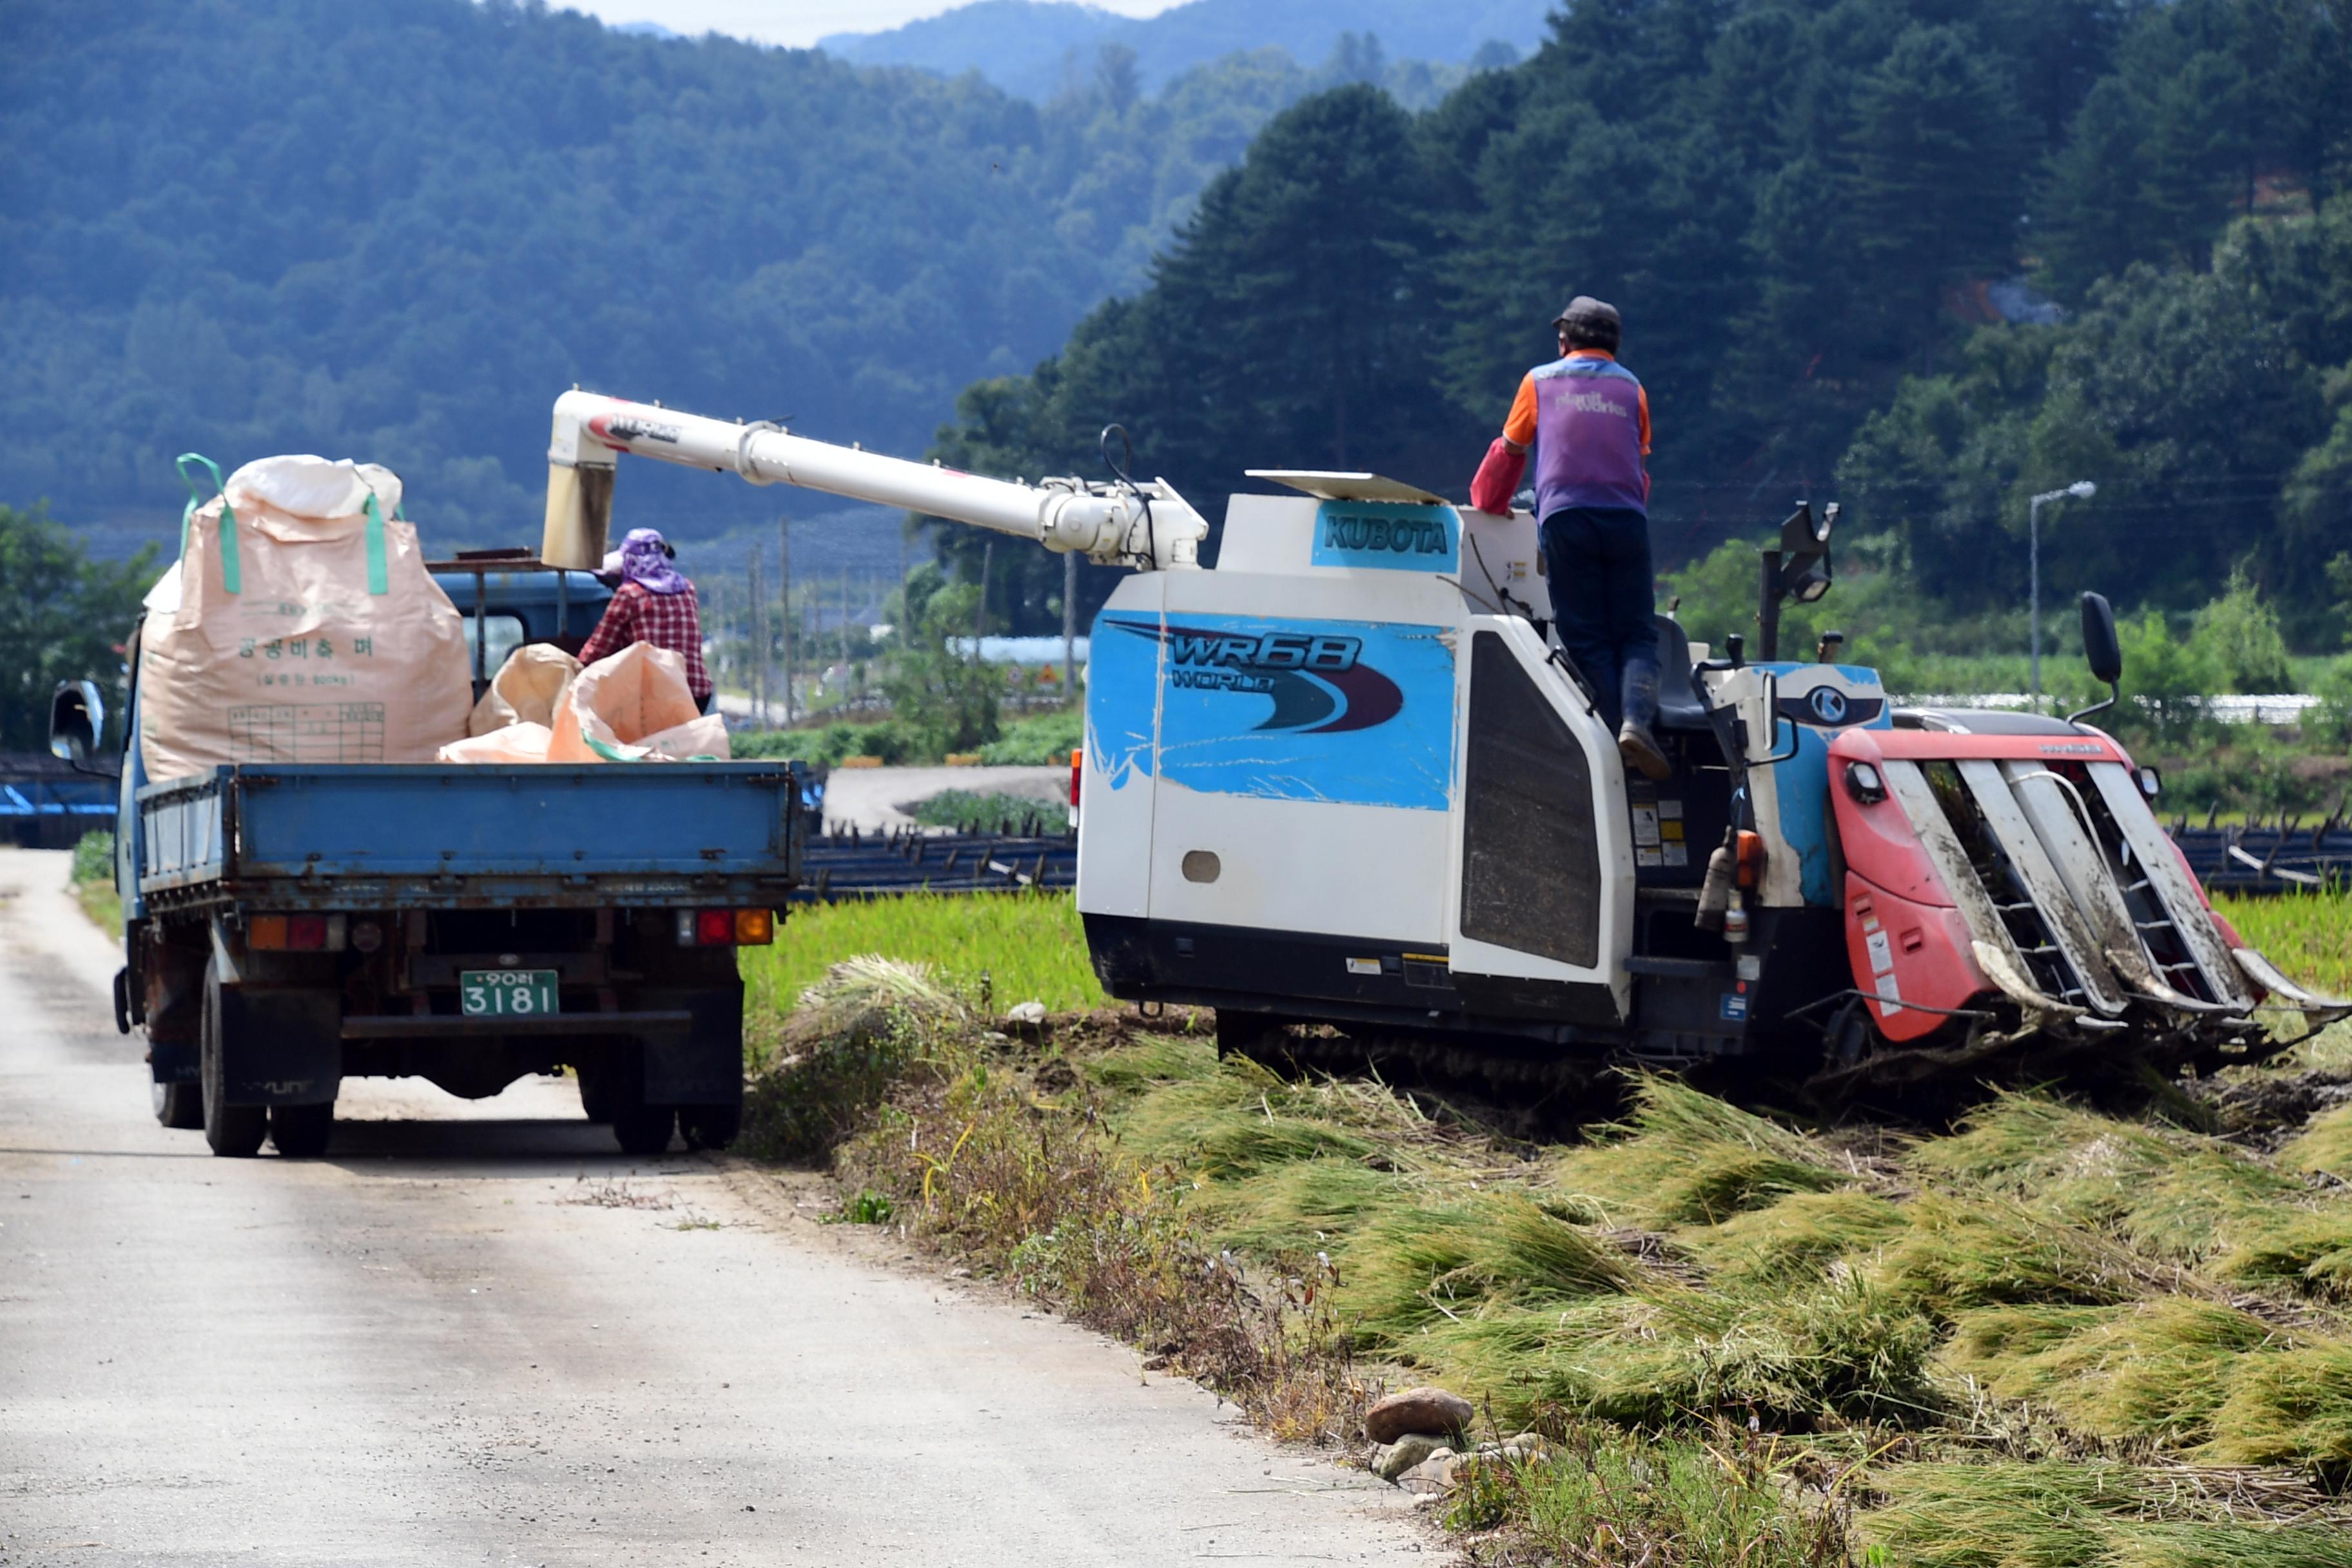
<point>1343,779</point>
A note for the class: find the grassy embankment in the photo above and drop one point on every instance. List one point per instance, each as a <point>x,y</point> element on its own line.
<point>2044,1339</point>
<point>93,882</point>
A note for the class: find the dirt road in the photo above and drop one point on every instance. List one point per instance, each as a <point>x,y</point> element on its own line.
<point>474,1334</point>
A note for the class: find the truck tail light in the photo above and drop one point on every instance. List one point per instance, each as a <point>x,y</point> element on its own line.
<point>726,928</point>
<point>1077,774</point>
<point>296,933</point>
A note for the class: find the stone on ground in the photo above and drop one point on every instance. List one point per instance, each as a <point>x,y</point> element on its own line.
<point>1417,1410</point>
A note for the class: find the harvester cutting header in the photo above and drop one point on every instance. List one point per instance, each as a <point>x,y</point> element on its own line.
<point>1346,778</point>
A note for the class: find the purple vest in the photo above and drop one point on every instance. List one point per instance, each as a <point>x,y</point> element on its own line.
<point>1588,437</point>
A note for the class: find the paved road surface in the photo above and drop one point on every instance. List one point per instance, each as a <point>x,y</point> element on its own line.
<point>474,1335</point>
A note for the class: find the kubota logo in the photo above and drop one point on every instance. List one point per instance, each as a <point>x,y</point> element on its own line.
<point>1317,683</point>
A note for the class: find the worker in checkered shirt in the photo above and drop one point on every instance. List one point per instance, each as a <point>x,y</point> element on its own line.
<point>654,604</point>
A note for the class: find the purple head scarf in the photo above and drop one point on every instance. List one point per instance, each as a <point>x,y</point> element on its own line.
<point>644,561</point>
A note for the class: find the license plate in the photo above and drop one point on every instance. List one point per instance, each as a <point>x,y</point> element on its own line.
<point>507,993</point>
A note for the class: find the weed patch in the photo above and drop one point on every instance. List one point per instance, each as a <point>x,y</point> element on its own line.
<point>1750,1345</point>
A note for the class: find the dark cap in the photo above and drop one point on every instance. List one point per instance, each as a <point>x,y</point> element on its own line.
<point>1584,314</point>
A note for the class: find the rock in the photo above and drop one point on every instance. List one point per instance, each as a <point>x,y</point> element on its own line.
<point>1392,1460</point>
<point>1028,1014</point>
<point>1437,1473</point>
<point>1416,1410</point>
<point>1426,1476</point>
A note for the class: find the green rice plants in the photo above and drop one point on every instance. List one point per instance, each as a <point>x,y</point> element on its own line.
<point>1723,1498</point>
<point>1988,1251</point>
<point>855,1033</point>
<point>2289,1407</point>
<point>1686,1158</point>
<point>2164,1193</point>
<point>2054,1514</point>
<point>1794,1241</point>
<point>1412,1266</point>
<point>2326,1145</point>
<point>1150,1060</point>
<point>1226,1124</point>
<point>2306,1248</point>
<point>1030,945</point>
<point>2156,1370</point>
<point>2228,1543</point>
<point>1307,1206</point>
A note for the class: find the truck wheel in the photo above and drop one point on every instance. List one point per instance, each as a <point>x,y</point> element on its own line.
<point>644,1130</point>
<point>300,1132</point>
<point>180,1106</point>
<point>596,1090</point>
<point>234,1131</point>
<point>711,1126</point>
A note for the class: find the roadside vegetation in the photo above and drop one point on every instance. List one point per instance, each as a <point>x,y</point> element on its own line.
<point>93,882</point>
<point>2040,1337</point>
<point>1005,948</point>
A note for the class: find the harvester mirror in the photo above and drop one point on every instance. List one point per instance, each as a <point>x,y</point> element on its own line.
<point>2100,647</point>
<point>2104,652</point>
<point>1797,568</point>
<point>77,719</point>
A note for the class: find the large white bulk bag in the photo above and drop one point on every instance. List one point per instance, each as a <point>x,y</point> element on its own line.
<point>305,628</point>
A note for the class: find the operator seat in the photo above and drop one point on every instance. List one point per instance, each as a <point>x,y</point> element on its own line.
<point>1679,706</point>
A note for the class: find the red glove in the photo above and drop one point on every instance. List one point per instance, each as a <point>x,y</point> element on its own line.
<point>1498,479</point>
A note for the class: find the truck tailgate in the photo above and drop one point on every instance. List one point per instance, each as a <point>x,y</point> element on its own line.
<point>396,835</point>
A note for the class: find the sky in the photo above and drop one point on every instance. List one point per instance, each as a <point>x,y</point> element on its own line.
<point>799,22</point>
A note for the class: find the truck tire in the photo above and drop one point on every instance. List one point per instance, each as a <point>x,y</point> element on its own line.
<point>711,1126</point>
<point>234,1131</point>
<point>300,1132</point>
<point>596,1090</point>
<point>180,1106</point>
<point>644,1130</point>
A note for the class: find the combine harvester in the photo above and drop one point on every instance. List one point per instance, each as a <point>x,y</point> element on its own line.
<point>1343,779</point>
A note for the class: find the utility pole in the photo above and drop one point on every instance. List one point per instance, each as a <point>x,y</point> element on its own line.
<point>979,611</point>
<point>758,639</point>
<point>784,573</point>
<point>2081,490</point>
<point>1070,626</point>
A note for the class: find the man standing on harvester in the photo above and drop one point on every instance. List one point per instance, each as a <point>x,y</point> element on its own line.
<point>1589,420</point>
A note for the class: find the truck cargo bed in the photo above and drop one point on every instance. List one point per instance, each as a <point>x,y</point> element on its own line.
<point>296,837</point>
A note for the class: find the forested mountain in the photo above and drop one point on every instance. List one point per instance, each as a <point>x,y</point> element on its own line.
<point>1036,48</point>
<point>1810,212</point>
<point>397,228</point>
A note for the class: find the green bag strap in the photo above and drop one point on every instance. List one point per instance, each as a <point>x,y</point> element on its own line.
<point>610,754</point>
<point>378,580</point>
<point>232,578</point>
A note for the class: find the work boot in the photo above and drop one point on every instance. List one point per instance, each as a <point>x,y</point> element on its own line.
<point>1640,750</point>
<point>1634,742</point>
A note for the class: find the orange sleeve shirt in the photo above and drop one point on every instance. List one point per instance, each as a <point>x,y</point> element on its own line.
<point>1519,428</point>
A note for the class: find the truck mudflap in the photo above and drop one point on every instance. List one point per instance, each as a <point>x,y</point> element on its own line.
<point>2041,908</point>
<point>280,1046</point>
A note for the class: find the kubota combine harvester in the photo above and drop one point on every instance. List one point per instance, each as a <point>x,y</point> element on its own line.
<point>1344,778</point>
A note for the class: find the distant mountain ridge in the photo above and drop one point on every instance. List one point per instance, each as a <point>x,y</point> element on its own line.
<point>1027,46</point>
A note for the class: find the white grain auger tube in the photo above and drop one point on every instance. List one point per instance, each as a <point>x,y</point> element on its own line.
<point>1146,525</point>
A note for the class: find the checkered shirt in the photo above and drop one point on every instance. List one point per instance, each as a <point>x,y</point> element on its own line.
<point>673,621</point>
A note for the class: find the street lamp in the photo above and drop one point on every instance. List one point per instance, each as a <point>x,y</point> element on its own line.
<point>2081,490</point>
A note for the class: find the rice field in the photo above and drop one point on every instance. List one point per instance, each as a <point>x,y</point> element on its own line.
<point>1023,947</point>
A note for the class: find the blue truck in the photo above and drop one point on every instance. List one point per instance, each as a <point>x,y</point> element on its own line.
<point>289,926</point>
